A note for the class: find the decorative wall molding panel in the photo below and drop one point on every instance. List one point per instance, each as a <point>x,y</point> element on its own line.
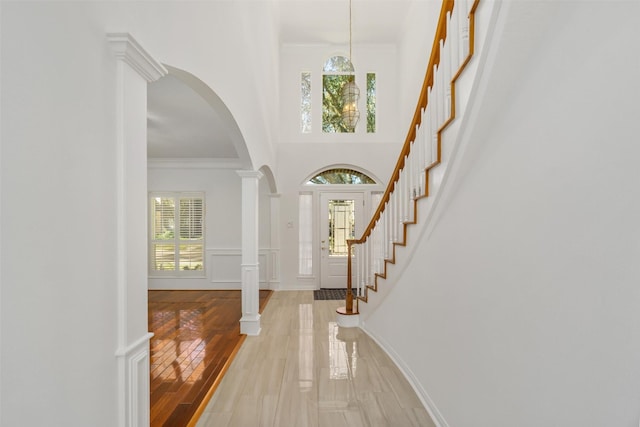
<point>224,271</point>
<point>133,363</point>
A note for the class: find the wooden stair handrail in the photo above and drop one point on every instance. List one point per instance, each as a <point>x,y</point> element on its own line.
<point>434,60</point>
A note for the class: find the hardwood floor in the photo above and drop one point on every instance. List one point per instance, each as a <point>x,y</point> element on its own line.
<point>195,334</point>
<point>305,371</point>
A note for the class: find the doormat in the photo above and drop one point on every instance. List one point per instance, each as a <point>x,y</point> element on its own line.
<point>330,294</point>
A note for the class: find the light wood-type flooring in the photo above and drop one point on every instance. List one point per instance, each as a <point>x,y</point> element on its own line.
<point>304,370</point>
<point>195,334</point>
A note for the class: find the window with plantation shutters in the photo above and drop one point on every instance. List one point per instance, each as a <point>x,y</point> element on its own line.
<point>176,244</point>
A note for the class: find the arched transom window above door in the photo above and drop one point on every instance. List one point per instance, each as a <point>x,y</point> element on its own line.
<point>341,176</point>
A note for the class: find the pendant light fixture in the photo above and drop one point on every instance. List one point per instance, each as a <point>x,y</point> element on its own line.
<point>350,92</point>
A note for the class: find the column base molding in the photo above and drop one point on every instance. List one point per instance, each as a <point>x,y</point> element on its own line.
<point>250,325</point>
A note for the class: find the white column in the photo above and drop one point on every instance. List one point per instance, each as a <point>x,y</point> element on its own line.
<point>134,68</point>
<point>250,321</point>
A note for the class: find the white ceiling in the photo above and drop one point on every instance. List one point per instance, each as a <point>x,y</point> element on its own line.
<point>181,124</point>
<point>327,21</point>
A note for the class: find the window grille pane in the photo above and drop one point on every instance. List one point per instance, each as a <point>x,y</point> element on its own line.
<point>332,102</point>
<point>341,176</point>
<point>163,257</point>
<point>163,218</point>
<point>305,103</point>
<point>191,257</point>
<point>338,64</point>
<point>305,250</point>
<point>371,102</point>
<point>341,225</point>
<point>191,218</point>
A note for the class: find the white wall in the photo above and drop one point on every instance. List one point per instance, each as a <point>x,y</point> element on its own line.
<point>521,305</point>
<point>223,205</point>
<point>413,56</point>
<point>58,218</point>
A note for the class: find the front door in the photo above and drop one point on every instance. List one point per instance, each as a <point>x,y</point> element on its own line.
<point>340,220</point>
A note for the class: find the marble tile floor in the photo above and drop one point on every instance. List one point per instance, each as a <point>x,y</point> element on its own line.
<point>304,370</point>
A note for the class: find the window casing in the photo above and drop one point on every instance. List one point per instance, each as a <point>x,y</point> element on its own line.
<point>176,234</point>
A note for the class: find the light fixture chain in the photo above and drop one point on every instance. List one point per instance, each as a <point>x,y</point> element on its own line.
<point>350,32</point>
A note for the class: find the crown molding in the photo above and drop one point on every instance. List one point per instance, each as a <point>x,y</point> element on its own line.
<point>250,174</point>
<point>127,49</point>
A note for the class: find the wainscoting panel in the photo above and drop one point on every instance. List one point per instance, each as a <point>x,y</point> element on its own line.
<point>225,269</point>
<point>225,266</point>
<point>133,366</point>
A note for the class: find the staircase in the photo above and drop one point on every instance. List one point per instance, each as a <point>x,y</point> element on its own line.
<point>406,205</point>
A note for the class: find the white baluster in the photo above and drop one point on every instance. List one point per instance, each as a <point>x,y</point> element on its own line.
<point>406,188</point>
<point>399,198</point>
<point>355,269</point>
<point>445,57</point>
<point>367,265</point>
<point>385,236</point>
<point>374,249</point>
<point>363,269</point>
<point>393,215</point>
<point>441,91</point>
<point>378,249</point>
<point>464,30</point>
<point>409,177</point>
<point>434,99</point>
<point>381,255</point>
<point>434,126</point>
<point>419,163</point>
<point>402,183</point>
<point>418,160</point>
<point>396,213</point>
<point>427,124</point>
<point>368,261</point>
<point>453,35</point>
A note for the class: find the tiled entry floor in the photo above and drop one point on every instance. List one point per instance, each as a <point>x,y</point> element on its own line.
<point>303,370</point>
